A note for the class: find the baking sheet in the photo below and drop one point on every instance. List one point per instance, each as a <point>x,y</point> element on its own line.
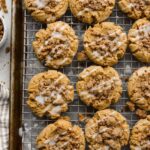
<point>31,125</point>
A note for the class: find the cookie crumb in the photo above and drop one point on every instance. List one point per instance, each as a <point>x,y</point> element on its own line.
<point>81,56</point>
<point>83,118</point>
<point>131,106</point>
<point>3,6</point>
<point>141,113</point>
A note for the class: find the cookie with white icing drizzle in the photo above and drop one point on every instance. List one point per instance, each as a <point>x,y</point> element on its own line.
<point>56,45</point>
<point>139,88</point>
<point>99,87</point>
<point>107,130</point>
<point>91,11</point>
<point>46,11</point>
<point>140,135</point>
<point>105,43</point>
<point>49,94</point>
<point>139,40</point>
<point>61,135</point>
<point>135,9</point>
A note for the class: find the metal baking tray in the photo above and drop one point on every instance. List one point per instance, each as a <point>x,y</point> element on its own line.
<point>24,125</point>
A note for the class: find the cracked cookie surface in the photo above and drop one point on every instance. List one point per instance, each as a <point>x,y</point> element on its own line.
<point>139,139</point>
<point>99,87</point>
<point>61,135</point>
<point>135,9</point>
<point>49,94</point>
<point>108,129</point>
<point>91,11</point>
<point>139,40</point>
<point>46,11</point>
<point>139,88</point>
<point>56,45</point>
<point>105,43</point>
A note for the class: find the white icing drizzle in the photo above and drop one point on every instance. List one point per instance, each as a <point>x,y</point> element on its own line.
<point>41,99</point>
<point>104,129</point>
<point>143,31</point>
<point>47,108</point>
<point>138,148</point>
<point>41,3</point>
<point>86,94</point>
<point>142,72</point>
<point>50,142</point>
<point>60,78</point>
<point>55,110</point>
<point>40,49</point>
<point>104,118</point>
<point>82,12</point>
<point>131,5</point>
<point>49,58</point>
<point>63,61</point>
<point>116,43</point>
<point>104,85</point>
<point>57,35</point>
<point>87,73</point>
<point>104,148</point>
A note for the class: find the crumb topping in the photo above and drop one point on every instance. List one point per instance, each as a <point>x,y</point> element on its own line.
<point>105,45</point>
<point>96,5</point>
<point>108,130</point>
<point>141,36</point>
<point>138,5</point>
<point>52,96</point>
<point>99,86</point>
<point>45,4</point>
<point>57,45</point>
<point>142,90</point>
<point>140,138</point>
<point>135,8</point>
<point>62,138</point>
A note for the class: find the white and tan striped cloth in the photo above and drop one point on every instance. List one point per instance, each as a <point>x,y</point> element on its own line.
<point>4,118</point>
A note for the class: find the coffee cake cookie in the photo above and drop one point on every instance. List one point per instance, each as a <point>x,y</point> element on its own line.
<point>49,94</point>
<point>139,38</point>
<point>46,11</point>
<point>139,88</point>
<point>135,9</point>
<point>105,43</point>
<point>99,87</point>
<point>107,130</point>
<point>61,135</point>
<point>56,45</point>
<point>140,134</point>
<point>91,11</point>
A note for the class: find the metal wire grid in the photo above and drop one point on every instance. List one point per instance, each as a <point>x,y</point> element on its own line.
<point>33,125</point>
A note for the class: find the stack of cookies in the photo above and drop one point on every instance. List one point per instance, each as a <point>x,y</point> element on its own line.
<point>99,85</point>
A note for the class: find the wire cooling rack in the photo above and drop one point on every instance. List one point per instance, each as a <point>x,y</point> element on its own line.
<point>33,125</point>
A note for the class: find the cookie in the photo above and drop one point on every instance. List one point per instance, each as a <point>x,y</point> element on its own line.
<point>135,9</point>
<point>99,87</point>
<point>49,94</point>
<point>139,88</point>
<point>140,134</point>
<point>107,130</point>
<point>91,11</point>
<point>105,43</point>
<point>46,11</point>
<point>61,135</point>
<point>56,45</point>
<point>139,38</point>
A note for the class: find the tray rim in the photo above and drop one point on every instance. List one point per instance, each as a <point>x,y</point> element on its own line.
<point>16,75</point>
